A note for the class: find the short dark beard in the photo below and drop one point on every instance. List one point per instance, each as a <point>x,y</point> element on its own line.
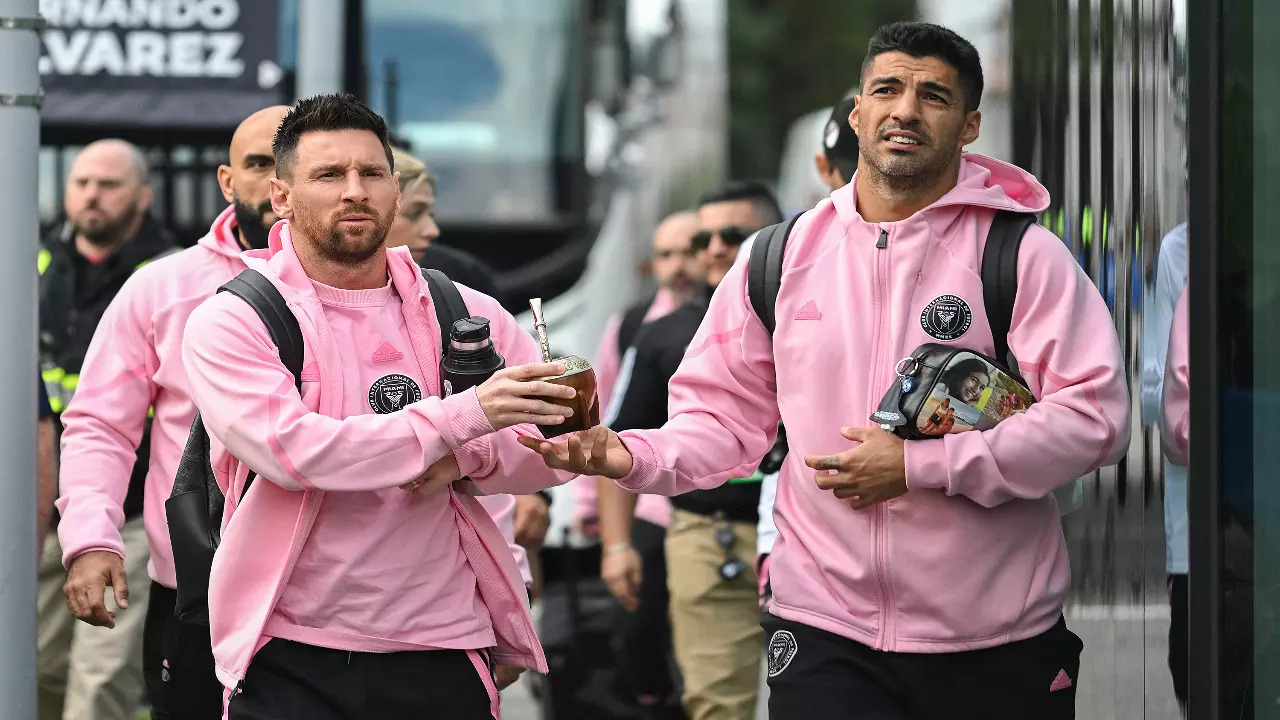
<point>112,232</point>
<point>906,179</point>
<point>329,240</point>
<point>253,231</point>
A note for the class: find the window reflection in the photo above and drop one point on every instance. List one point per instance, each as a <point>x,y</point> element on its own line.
<point>484,92</point>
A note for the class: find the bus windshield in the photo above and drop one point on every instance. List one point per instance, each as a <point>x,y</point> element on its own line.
<point>485,92</point>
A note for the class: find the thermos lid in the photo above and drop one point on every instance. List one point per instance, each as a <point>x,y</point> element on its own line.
<point>470,330</point>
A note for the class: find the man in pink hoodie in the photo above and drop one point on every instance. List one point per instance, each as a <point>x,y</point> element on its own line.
<point>917,579</point>
<point>344,586</point>
<point>132,370</point>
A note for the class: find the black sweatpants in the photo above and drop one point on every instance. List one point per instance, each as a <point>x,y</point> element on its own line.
<point>644,647</point>
<point>815,674</point>
<point>293,681</point>
<point>177,663</point>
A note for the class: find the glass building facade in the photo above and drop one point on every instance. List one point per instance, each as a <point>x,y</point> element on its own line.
<point>1235,339</point>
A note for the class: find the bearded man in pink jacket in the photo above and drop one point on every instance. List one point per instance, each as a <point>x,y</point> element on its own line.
<point>345,587</point>
<point>911,579</point>
<point>133,375</point>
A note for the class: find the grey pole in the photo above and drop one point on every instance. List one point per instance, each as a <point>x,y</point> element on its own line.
<point>321,45</point>
<point>19,146</point>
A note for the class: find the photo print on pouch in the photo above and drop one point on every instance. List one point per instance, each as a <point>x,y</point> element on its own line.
<point>971,394</point>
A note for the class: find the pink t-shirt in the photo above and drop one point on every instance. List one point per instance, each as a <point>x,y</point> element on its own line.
<point>409,587</point>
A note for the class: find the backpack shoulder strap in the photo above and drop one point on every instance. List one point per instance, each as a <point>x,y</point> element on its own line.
<point>255,289</point>
<point>450,307</point>
<point>764,271</point>
<point>1000,277</point>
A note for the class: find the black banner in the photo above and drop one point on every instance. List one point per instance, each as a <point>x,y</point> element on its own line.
<point>191,64</point>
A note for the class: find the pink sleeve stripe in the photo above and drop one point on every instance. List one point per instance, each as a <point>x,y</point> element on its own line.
<point>486,677</point>
<point>720,338</point>
<point>124,377</point>
<point>273,404</point>
<point>1042,370</point>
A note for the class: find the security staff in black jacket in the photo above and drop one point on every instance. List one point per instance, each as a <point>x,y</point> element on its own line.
<point>108,234</point>
<point>711,542</point>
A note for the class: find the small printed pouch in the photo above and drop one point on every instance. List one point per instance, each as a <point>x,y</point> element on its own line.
<point>943,389</point>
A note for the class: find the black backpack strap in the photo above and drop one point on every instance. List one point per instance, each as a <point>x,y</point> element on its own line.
<point>254,288</point>
<point>764,272</point>
<point>450,307</point>
<point>1000,277</point>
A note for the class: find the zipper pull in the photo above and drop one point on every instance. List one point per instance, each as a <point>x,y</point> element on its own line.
<point>883,242</point>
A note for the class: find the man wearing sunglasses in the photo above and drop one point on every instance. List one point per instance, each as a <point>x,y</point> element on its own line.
<point>715,616</point>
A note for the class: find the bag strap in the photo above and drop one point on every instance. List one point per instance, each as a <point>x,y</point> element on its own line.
<point>448,302</point>
<point>1000,277</point>
<point>764,271</point>
<point>261,294</point>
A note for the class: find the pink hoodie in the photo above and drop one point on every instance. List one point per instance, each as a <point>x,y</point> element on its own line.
<point>302,448</point>
<point>134,364</point>
<point>650,508</point>
<point>1175,430</point>
<point>973,555</point>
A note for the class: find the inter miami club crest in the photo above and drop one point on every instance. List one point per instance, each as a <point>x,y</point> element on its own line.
<point>393,392</point>
<point>782,650</point>
<point>946,318</point>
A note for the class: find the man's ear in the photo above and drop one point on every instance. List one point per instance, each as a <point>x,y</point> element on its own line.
<point>853,114</point>
<point>145,195</point>
<point>224,183</point>
<point>823,167</point>
<point>281,199</point>
<point>972,127</point>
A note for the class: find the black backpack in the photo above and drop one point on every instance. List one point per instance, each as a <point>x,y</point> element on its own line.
<point>194,508</point>
<point>999,287</point>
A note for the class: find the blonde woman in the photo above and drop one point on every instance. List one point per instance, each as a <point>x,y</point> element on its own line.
<point>415,224</point>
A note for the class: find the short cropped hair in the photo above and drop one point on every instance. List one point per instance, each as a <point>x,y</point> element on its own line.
<point>922,40</point>
<point>762,199</point>
<point>322,113</point>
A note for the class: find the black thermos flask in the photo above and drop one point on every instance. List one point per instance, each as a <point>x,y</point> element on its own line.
<point>471,357</point>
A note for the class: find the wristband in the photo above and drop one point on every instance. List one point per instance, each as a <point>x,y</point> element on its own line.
<point>617,548</point>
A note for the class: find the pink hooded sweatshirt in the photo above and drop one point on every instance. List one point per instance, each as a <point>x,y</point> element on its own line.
<point>1175,428</point>
<point>655,509</point>
<point>972,556</point>
<point>134,364</point>
<point>302,447</point>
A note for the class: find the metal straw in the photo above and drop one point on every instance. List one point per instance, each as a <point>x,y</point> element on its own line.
<point>540,327</point>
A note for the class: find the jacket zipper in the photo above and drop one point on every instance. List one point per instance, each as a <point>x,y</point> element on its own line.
<point>878,303</point>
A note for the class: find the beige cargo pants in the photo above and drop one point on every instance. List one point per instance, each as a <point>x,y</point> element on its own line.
<point>715,623</point>
<point>86,672</point>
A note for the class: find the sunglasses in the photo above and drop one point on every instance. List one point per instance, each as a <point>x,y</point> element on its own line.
<point>733,567</point>
<point>731,235</point>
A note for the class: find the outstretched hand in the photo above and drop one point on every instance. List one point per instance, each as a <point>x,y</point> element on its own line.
<point>873,471</point>
<point>598,451</point>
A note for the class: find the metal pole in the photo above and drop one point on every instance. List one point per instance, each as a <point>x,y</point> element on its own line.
<point>19,146</point>
<point>321,45</point>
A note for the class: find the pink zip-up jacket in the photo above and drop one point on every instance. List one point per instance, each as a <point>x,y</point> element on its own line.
<point>1175,428</point>
<point>301,448</point>
<point>972,556</point>
<point>134,364</point>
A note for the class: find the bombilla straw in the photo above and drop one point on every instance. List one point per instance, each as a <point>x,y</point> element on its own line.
<point>540,327</point>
